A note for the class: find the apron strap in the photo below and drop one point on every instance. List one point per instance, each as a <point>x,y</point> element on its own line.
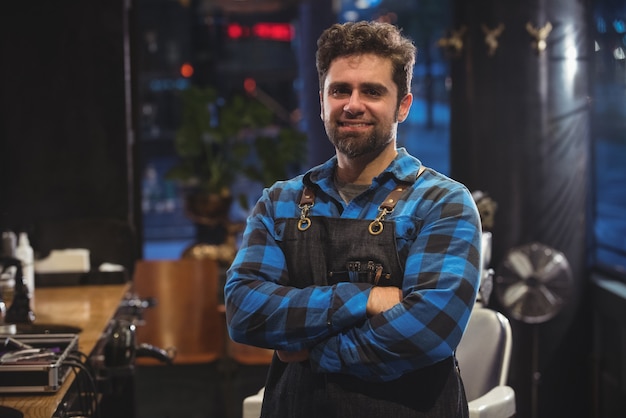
<point>307,200</point>
<point>388,205</point>
<point>393,197</point>
<point>385,208</point>
<point>308,197</point>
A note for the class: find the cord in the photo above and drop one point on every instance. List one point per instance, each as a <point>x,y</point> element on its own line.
<point>81,358</point>
<point>88,397</point>
<point>79,355</point>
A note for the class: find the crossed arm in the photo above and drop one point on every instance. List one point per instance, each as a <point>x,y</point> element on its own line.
<point>379,300</point>
<point>355,328</point>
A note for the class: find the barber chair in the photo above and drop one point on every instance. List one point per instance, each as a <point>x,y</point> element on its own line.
<point>224,254</point>
<point>484,355</point>
<point>186,317</point>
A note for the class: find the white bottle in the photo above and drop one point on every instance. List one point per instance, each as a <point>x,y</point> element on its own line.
<point>24,253</point>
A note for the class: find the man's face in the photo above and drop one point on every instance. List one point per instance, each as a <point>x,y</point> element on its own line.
<point>359,105</point>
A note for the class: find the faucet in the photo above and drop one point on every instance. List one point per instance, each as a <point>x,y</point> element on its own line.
<point>19,312</point>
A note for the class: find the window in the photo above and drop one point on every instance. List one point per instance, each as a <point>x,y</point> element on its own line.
<point>609,137</point>
<point>180,46</point>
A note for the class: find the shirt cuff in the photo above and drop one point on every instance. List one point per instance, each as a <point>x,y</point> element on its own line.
<point>348,305</point>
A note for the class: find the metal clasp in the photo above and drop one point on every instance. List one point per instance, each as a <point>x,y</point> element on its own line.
<point>304,222</point>
<point>307,200</point>
<point>376,226</point>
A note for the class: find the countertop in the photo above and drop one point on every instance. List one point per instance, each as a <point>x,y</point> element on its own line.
<point>90,308</point>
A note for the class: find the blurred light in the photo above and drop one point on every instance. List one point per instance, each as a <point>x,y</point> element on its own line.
<point>168,84</point>
<point>619,25</point>
<point>597,46</point>
<point>181,84</point>
<point>249,84</point>
<point>186,70</point>
<point>274,31</point>
<point>350,15</point>
<point>234,31</point>
<point>601,25</point>
<point>571,54</point>
<point>366,4</point>
<point>618,53</point>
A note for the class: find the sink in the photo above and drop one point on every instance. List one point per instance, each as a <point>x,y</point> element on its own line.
<point>39,329</point>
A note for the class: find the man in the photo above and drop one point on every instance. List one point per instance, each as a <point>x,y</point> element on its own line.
<point>362,272</point>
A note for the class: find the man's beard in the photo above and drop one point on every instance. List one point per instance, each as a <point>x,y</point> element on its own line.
<point>355,145</point>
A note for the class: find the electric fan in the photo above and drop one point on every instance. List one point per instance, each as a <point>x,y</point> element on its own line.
<point>533,283</point>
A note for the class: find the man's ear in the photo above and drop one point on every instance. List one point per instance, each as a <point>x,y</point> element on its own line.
<point>405,106</point>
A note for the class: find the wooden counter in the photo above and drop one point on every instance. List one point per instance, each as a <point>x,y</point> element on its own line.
<point>87,307</point>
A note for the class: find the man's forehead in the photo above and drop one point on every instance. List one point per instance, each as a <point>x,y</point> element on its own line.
<point>366,68</point>
<point>357,59</point>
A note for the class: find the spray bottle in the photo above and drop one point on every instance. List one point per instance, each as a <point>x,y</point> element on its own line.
<point>19,312</point>
<point>24,253</point>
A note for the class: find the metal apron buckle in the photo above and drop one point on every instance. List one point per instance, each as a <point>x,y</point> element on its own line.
<point>307,200</point>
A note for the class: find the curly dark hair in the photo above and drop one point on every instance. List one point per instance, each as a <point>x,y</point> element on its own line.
<point>355,38</point>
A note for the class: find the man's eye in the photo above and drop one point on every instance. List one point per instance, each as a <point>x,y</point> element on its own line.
<point>372,92</point>
<point>340,92</point>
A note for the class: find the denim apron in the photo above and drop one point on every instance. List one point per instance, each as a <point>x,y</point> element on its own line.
<point>323,251</point>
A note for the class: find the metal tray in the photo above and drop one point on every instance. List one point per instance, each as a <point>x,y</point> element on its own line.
<point>37,375</point>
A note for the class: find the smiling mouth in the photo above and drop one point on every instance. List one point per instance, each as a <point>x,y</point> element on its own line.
<point>354,124</point>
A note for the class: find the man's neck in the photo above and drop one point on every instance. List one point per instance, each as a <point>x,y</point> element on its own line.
<point>363,169</point>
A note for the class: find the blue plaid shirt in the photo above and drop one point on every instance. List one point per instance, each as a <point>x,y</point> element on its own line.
<point>439,285</point>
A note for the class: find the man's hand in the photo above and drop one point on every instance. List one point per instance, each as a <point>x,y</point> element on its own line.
<point>293,356</point>
<point>382,299</point>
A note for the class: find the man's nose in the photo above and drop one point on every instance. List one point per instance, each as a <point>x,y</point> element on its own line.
<point>354,105</point>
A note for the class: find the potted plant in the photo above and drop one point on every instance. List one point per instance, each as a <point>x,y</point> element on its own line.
<point>218,141</point>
